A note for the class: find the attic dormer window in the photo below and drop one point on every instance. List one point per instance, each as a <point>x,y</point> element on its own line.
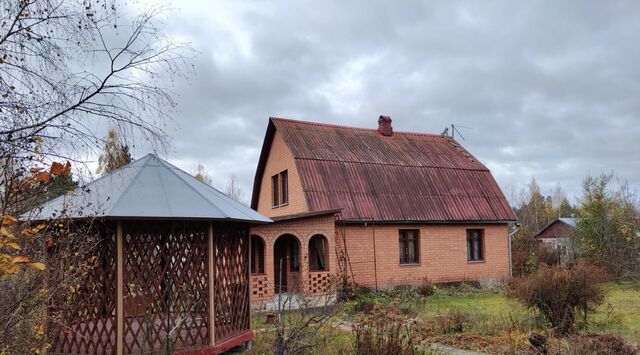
<point>280,188</point>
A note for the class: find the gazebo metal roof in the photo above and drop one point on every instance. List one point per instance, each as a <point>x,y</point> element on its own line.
<point>148,188</point>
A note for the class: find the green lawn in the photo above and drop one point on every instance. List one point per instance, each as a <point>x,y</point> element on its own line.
<point>620,312</point>
<point>491,312</point>
<point>494,304</point>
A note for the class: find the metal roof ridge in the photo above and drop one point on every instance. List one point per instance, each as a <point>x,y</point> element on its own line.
<point>170,167</point>
<point>394,164</point>
<point>332,125</point>
<point>148,158</point>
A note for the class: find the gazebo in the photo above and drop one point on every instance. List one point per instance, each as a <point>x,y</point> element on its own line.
<point>172,269</point>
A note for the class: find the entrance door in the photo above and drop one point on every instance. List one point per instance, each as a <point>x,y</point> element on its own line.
<point>287,250</point>
<point>280,265</point>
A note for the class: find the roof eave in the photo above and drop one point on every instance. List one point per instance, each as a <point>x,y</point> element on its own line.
<point>149,218</point>
<point>557,220</point>
<point>361,221</point>
<point>303,215</point>
<point>262,162</point>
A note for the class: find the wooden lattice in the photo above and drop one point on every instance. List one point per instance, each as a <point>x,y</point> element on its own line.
<point>166,289</point>
<point>83,314</point>
<point>231,280</point>
<point>318,282</point>
<point>165,286</point>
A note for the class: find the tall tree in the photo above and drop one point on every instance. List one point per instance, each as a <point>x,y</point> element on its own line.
<point>234,190</point>
<point>115,153</point>
<point>534,211</point>
<point>607,229</point>
<point>67,67</point>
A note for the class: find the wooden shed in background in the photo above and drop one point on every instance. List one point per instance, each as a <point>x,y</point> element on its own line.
<point>172,270</point>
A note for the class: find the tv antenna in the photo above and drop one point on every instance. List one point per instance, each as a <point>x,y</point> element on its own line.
<point>454,129</point>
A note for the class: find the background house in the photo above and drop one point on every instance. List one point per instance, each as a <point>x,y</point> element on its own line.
<point>386,208</point>
<point>558,236</point>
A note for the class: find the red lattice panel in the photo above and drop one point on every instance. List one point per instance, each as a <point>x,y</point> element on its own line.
<point>231,280</point>
<point>318,282</point>
<point>85,317</point>
<point>165,286</point>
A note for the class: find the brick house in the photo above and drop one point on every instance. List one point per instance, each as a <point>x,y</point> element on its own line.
<point>386,208</point>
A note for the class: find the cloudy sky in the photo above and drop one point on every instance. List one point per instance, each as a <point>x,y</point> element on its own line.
<point>547,89</point>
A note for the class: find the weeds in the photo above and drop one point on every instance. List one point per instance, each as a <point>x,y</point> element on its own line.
<point>426,288</point>
<point>465,316</point>
<point>603,344</point>
<point>387,329</point>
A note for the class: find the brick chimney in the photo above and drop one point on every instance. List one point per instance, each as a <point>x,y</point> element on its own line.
<point>384,126</point>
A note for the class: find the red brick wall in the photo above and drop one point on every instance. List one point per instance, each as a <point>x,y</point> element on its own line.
<point>303,229</point>
<point>443,254</point>
<point>280,159</point>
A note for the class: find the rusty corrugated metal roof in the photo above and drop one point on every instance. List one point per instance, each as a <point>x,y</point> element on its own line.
<point>404,177</point>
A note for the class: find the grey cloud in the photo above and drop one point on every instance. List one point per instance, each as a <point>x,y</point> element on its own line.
<point>549,89</point>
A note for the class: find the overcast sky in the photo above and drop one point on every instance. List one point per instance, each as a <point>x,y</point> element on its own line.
<point>548,89</point>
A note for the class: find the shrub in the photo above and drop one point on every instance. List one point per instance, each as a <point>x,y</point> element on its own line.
<point>346,289</point>
<point>547,254</point>
<point>426,288</point>
<point>388,330</point>
<point>605,344</point>
<point>522,258</point>
<point>558,292</point>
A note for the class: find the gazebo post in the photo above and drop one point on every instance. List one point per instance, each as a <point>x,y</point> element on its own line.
<point>119,291</point>
<point>212,311</point>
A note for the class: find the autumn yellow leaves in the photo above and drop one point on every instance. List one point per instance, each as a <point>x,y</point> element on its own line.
<point>13,234</point>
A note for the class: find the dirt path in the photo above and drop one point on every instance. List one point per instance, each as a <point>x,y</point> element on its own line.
<point>445,349</point>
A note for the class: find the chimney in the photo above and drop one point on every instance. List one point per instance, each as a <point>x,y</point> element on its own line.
<point>384,126</point>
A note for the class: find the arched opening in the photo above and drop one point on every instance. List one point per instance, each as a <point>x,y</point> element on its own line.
<point>257,255</point>
<point>318,253</point>
<point>286,262</point>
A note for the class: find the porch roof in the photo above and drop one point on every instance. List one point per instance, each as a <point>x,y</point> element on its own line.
<point>306,215</point>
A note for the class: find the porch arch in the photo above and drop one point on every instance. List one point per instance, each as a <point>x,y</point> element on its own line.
<point>257,254</point>
<point>318,253</point>
<point>286,263</point>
